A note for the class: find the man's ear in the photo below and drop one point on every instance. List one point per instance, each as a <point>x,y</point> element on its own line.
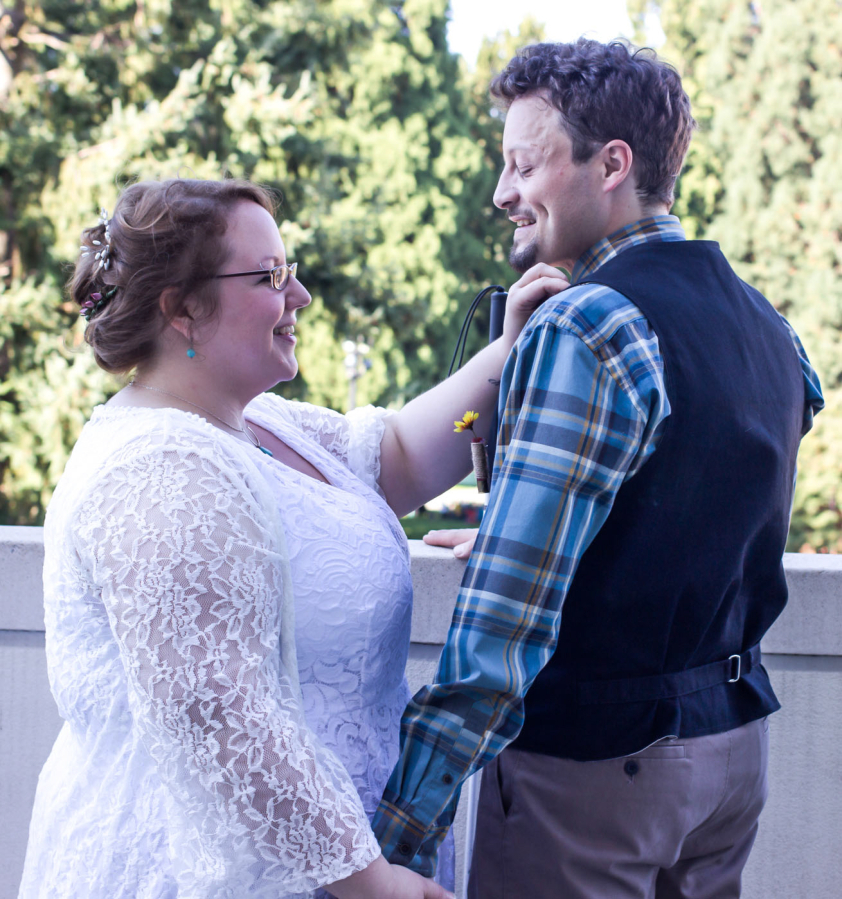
<point>176,313</point>
<point>617,160</point>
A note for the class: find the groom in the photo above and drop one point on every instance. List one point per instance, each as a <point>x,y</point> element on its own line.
<point>629,561</point>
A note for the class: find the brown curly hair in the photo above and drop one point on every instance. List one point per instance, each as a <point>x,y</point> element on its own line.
<point>607,92</point>
<point>165,235</point>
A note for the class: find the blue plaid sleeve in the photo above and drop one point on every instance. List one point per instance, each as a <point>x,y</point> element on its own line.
<point>813,399</point>
<point>582,408</point>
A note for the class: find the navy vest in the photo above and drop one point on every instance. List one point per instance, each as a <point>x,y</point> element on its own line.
<point>660,630</point>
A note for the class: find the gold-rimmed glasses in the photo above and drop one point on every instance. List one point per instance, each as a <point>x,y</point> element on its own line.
<point>279,275</point>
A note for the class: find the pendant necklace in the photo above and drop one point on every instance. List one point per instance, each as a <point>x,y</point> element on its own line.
<point>253,438</point>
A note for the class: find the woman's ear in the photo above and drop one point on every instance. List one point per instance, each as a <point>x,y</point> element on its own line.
<point>176,311</point>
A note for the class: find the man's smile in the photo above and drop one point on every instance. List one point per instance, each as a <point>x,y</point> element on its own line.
<point>521,222</point>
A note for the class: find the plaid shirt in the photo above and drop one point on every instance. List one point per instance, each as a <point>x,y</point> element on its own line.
<point>583,402</point>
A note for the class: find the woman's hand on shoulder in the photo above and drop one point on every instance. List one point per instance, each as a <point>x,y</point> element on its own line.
<point>536,285</point>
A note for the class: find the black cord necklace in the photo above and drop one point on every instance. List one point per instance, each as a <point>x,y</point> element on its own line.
<point>462,340</point>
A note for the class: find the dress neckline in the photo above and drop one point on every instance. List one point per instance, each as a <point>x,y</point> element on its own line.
<point>307,449</point>
<point>296,440</point>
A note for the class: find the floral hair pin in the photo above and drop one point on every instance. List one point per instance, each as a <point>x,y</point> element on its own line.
<point>103,254</point>
<point>97,300</point>
<point>479,455</point>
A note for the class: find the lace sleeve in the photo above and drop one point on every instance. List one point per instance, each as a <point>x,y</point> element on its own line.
<point>354,438</point>
<point>183,556</point>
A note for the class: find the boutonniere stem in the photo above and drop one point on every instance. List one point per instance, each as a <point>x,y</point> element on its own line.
<point>479,454</point>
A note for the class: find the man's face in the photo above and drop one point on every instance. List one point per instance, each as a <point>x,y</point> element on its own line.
<point>554,202</point>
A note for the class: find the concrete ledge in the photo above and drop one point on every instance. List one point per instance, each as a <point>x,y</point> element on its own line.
<point>799,843</point>
<point>811,623</point>
<point>21,561</point>
<point>436,575</point>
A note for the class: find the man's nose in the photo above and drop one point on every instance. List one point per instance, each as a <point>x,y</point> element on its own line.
<point>505,195</point>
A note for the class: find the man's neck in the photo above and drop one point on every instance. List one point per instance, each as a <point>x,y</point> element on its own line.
<point>633,211</point>
<point>652,226</point>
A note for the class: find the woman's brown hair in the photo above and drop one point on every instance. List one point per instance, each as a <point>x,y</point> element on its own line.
<point>164,236</point>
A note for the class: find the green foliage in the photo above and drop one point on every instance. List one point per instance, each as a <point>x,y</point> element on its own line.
<point>763,179</point>
<point>385,150</point>
<point>353,110</point>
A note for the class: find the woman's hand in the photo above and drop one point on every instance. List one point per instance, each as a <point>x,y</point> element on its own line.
<point>539,283</point>
<point>409,885</point>
<point>380,880</point>
<point>420,456</point>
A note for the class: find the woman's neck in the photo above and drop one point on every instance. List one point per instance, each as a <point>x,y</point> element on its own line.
<point>193,390</point>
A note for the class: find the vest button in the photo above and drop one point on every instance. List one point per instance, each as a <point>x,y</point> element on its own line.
<point>631,768</point>
<point>448,779</point>
<point>404,848</point>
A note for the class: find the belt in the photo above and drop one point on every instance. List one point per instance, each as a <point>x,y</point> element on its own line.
<point>666,686</point>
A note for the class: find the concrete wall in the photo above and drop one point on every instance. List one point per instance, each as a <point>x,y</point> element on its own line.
<point>799,847</point>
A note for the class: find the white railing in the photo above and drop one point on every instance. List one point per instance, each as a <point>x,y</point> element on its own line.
<point>800,841</point>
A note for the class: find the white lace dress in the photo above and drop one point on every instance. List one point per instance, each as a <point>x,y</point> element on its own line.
<point>191,763</point>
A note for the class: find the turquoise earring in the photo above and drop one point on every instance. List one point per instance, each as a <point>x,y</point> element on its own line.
<point>191,353</point>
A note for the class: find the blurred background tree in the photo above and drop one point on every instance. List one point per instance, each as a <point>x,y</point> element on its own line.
<point>385,149</point>
<point>764,179</point>
<point>353,110</point>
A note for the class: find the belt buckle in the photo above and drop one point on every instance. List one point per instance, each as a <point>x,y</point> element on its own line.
<point>736,677</point>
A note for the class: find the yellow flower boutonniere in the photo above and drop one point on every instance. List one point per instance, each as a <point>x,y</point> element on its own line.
<point>467,422</point>
<point>479,456</point>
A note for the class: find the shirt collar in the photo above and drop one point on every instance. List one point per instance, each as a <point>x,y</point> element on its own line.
<point>657,227</point>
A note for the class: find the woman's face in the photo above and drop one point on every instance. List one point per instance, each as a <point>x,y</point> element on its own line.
<point>251,339</point>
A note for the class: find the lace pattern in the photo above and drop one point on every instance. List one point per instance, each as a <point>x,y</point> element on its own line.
<point>352,585</point>
<point>354,439</point>
<point>187,767</point>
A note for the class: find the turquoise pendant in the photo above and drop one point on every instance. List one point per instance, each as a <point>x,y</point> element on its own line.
<point>267,451</point>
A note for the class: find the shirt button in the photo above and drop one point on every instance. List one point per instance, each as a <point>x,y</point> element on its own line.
<point>448,779</point>
<point>631,768</point>
<point>404,848</point>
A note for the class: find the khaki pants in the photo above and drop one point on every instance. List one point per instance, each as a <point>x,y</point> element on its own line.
<point>675,821</point>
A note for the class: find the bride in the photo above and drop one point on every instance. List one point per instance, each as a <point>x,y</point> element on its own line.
<point>227,587</point>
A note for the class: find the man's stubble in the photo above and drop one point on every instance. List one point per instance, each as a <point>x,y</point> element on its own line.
<point>521,259</point>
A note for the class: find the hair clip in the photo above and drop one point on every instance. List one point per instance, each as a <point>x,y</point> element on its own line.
<point>97,300</point>
<point>103,254</point>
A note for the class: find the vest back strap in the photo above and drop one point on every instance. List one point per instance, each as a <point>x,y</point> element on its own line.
<point>666,686</point>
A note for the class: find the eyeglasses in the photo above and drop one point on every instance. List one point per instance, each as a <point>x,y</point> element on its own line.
<point>279,275</point>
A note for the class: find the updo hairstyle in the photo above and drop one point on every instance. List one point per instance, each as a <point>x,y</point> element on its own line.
<point>163,234</point>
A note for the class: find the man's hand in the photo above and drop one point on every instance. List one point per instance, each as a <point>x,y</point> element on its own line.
<point>539,283</point>
<point>461,539</point>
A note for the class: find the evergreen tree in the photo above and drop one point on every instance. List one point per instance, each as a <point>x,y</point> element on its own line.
<point>487,119</point>
<point>354,110</point>
<point>763,179</point>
